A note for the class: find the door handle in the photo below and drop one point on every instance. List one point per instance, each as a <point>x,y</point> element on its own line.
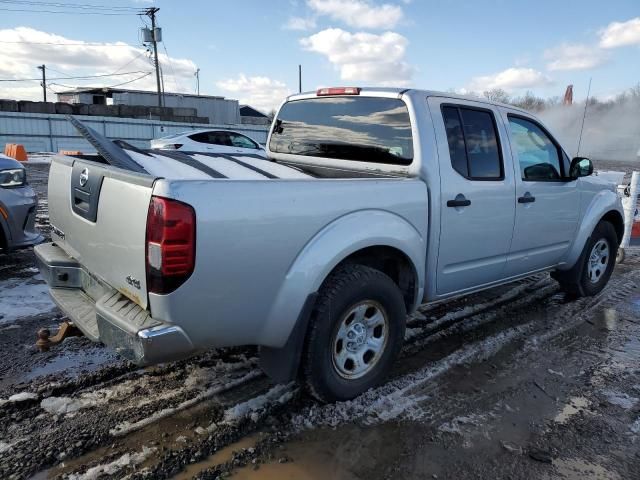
<point>459,201</point>
<point>527,198</point>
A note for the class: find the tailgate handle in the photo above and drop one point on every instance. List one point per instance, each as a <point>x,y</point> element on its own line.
<point>81,200</point>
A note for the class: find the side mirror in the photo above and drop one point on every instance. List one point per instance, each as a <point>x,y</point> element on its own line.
<point>580,167</point>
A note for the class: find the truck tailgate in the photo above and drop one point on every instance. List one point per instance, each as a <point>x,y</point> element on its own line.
<point>98,216</point>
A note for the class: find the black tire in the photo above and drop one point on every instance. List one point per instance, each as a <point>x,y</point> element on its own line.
<point>350,285</point>
<point>577,281</point>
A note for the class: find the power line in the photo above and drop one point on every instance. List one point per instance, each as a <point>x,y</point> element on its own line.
<point>173,72</point>
<point>106,86</point>
<point>72,78</point>
<point>65,12</point>
<point>86,44</point>
<point>70,5</point>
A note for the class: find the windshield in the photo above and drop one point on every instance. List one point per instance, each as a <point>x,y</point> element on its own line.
<point>364,129</point>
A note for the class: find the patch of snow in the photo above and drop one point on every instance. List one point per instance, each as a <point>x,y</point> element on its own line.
<point>22,397</point>
<point>553,372</point>
<point>63,405</point>
<point>5,447</point>
<point>457,425</point>
<point>24,298</point>
<point>278,395</point>
<point>620,399</point>
<point>635,426</point>
<point>108,469</point>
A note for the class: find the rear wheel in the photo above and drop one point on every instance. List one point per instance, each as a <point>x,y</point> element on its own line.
<point>595,265</point>
<point>356,333</point>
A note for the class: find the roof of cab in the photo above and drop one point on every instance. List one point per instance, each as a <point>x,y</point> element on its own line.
<point>414,91</point>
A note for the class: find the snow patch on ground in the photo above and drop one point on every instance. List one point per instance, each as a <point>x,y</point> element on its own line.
<point>126,460</point>
<point>278,395</point>
<point>620,399</point>
<point>23,298</point>
<point>5,447</point>
<point>459,424</point>
<point>23,397</point>
<point>635,426</point>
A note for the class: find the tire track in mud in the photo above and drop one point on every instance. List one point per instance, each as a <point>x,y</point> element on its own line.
<point>127,420</point>
<point>168,396</point>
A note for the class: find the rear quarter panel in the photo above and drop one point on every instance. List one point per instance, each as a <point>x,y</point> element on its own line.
<point>264,246</point>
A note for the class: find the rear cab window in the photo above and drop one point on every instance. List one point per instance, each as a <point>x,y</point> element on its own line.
<point>359,128</point>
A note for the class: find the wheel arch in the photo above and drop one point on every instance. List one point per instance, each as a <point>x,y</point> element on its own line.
<point>615,218</point>
<point>604,206</point>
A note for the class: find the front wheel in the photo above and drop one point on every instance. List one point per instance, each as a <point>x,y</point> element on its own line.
<point>356,333</point>
<point>595,266</point>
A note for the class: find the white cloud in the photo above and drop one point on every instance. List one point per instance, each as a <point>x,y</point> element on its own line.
<point>78,58</point>
<point>574,57</point>
<point>300,23</point>
<point>619,34</point>
<point>364,57</point>
<point>262,93</point>
<point>510,79</point>
<point>359,13</point>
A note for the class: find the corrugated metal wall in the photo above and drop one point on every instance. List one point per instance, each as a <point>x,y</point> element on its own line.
<point>51,133</point>
<point>219,110</point>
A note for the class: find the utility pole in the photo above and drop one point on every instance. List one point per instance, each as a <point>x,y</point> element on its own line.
<point>151,13</point>
<point>44,81</point>
<point>197,74</point>
<point>299,78</point>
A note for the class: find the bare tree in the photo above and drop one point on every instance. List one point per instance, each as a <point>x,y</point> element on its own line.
<point>529,102</point>
<point>497,95</point>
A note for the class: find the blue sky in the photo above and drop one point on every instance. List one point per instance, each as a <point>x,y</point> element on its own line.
<point>250,49</point>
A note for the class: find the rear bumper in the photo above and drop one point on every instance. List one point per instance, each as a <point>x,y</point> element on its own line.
<point>105,315</point>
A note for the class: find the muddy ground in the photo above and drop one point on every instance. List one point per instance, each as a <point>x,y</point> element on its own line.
<point>517,382</point>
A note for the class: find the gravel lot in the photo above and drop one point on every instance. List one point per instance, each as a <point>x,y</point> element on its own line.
<point>517,382</point>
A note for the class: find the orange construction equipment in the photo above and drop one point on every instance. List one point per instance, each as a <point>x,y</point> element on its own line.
<point>568,96</point>
<point>15,150</point>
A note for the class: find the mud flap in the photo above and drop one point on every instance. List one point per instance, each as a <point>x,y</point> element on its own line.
<point>282,364</point>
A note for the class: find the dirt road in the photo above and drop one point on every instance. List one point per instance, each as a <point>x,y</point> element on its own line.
<point>518,382</point>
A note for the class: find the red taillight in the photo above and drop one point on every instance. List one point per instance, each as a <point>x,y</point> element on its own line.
<point>171,244</point>
<point>338,91</point>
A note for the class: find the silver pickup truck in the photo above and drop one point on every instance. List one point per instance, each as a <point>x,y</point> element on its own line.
<point>372,202</point>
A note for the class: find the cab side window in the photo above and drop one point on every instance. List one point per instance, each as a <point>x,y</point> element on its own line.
<point>473,143</point>
<point>538,155</point>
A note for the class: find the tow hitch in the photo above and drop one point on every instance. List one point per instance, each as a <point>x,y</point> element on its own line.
<point>45,340</point>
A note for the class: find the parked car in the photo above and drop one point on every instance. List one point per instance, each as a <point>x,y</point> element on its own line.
<point>17,207</point>
<point>216,141</point>
<point>404,197</point>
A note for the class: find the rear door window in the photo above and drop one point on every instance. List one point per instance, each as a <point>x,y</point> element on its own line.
<point>241,141</point>
<point>365,129</point>
<point>220,138</point>
<point>473,142</point>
